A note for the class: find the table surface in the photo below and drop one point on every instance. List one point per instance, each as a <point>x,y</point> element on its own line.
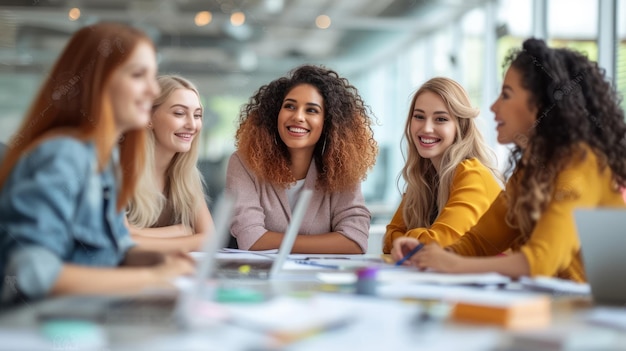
<point>382,324</point>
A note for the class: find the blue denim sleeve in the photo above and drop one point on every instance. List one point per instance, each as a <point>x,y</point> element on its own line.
<point>37,204</point>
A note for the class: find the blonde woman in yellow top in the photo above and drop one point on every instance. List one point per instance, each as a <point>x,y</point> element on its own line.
<point>450,179</point>
<point>569,133</point>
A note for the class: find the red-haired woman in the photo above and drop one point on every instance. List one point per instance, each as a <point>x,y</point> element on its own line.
<point>62,190</point>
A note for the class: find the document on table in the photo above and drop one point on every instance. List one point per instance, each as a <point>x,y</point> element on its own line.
<point>555,285</point>
<point>614,317</point>
<point>413,276</point>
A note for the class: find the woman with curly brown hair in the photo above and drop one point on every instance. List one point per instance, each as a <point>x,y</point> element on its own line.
<point>309,130</point>
<point>570,140</point>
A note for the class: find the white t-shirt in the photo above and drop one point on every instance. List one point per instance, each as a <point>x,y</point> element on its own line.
<point>293,193</point>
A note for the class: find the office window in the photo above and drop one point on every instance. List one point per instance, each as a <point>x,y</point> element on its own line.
<point>472,54</point>
<point>440,55</point>
<point>514,26</point>
<point>620,69</point>
<point>574,24</point>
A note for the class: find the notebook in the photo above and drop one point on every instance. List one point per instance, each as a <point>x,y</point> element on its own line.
<point>267,266</point>
<point>602,234</point>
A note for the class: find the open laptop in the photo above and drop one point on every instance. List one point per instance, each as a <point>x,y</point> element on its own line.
<point>602,234</point>
<point>263,266</point>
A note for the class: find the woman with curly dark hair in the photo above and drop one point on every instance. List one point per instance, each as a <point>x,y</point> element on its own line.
<point>570,140</point>
<point>309,130</point>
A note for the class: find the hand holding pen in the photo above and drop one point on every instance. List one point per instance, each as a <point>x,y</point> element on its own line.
<point>431,256</point>
<point>409,254</point>
<point>399,251</point>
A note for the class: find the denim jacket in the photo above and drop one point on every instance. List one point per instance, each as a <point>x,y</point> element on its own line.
<point>56,208</point>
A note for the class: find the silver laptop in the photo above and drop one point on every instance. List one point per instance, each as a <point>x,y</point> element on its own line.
<point>602,234</point>
<point>267,266</point>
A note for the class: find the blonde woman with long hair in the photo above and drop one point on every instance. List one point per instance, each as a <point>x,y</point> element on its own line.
<point>168,211</point>
<point>449,175</point>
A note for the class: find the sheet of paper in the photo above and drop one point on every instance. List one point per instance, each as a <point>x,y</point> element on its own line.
<point>226,249</point>
<point>550,284</point>
<point>289,314</point>
<point>365,258</point>
<point>242,255</point>
<point>413,276</point>
<point>26,339</point>
<point>614,317</point>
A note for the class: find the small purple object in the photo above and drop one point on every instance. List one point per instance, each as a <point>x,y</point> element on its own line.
<point>366,281</point>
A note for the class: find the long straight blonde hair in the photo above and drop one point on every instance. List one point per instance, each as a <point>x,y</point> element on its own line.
<point>426,191</point>
<point>183,180</point>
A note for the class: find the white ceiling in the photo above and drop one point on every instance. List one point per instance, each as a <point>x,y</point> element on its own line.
<point>277,35</point>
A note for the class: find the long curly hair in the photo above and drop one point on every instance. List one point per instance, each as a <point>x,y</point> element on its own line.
<point>426,191</point>
<point>577,108</point>
<point>346,150</point>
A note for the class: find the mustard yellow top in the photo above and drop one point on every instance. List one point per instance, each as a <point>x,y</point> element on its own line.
<point>473,189</point>
<point>553,248</point>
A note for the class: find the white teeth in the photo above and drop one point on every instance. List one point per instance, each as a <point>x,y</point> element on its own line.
<point>183,135</point>
<point>428,141</point>
<point>297,130</point>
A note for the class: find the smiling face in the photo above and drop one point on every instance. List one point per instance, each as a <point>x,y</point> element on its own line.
<point>301,118</point>
<point>177,121</point>
<point>515,116</point>
<point>133,88</point>
<point>432,127</point>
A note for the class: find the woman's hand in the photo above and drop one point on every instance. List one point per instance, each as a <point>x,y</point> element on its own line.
<point>401,247</point>
<point>434,257</point>
<point>174,265</point>
<point>431,256</point>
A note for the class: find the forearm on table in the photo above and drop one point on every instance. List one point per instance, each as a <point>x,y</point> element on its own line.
<point>171,231</point>
<point>514,265</point>
<point>185,243</point>
<point>75,279</point>
<point>330,243</point>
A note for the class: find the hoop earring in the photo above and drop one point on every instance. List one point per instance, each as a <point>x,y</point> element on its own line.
<point>275,142</point>
<point>324,147</point>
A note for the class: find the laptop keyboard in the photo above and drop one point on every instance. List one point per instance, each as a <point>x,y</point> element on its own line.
<point>243,269</point>
<point>142,310</point>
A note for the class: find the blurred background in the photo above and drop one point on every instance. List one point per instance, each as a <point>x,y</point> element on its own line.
<point>386,48</point>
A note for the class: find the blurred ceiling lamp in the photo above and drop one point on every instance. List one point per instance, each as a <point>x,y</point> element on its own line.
<point>237,18</point>
<point>74,14</point>
<point>203,18</point>
<point>322,21</point>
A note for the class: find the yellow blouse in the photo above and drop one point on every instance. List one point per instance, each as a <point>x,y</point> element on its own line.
<point>473,189</point>
<point>553,248</point>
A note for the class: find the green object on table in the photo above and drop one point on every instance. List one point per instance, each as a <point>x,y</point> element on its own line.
<point>238,295</point>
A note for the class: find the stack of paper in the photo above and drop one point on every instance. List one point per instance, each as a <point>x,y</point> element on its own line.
<point>510,310</point>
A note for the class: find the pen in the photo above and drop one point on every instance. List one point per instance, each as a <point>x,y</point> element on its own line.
<point>410,254</point>
<point>317,264</point>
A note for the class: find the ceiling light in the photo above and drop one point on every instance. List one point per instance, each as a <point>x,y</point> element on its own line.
<point>203,18</point>
<point>322,21</point>
<point>237,18</point>
<point>74,14</point>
